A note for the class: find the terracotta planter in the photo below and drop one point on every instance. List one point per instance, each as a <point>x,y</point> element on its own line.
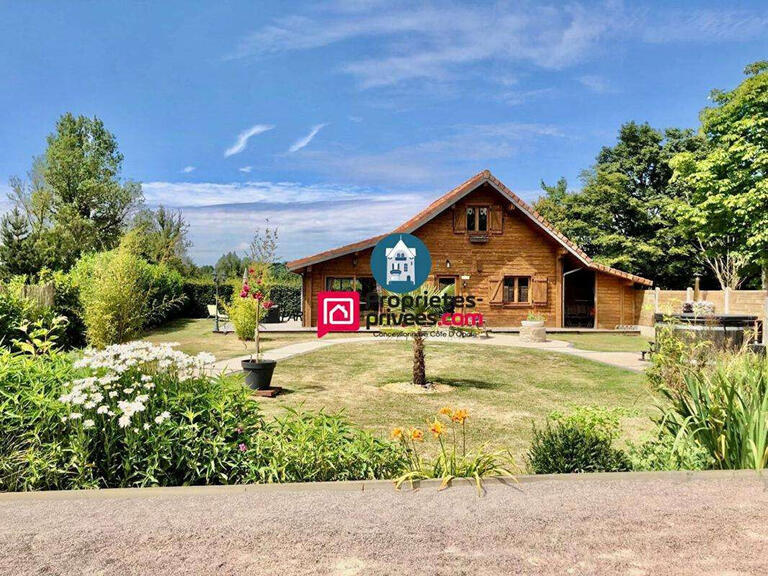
<point>258,374</point>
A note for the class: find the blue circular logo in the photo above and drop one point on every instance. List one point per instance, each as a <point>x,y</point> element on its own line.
<point>400,263</point>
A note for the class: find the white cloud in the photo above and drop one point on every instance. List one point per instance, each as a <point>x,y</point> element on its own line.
<point>596,84</point>
<point>706,26</point>
<point>310,218</point>
<point>444,43</point>
<point>188,169</point>
<point>443,160</point>
<point>195,194</point>
<point>244,136</point>
<point>246,169</point>
<point>433,42</point>
<point>302,142</point>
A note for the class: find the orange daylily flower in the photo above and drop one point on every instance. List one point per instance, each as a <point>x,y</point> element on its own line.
<point>436,428</point>
<point>460,415</point>
<point>417,434</point>
<point>397,433</point>
<point>446,411</point>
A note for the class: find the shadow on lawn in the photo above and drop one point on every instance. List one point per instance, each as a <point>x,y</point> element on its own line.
<point>466,383</point>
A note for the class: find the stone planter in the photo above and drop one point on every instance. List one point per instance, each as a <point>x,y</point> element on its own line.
<point>533,331</point>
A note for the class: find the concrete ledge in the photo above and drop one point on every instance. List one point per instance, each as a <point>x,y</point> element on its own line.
<point>673,477</point>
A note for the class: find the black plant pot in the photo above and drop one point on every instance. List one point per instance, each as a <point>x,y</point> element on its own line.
<point>258,374</point>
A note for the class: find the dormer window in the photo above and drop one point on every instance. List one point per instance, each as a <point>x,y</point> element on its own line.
<point>477,218</point>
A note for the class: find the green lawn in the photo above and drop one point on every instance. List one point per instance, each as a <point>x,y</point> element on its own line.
<point>606,342</point>
<point>505,390</point>
<point>196,335</point>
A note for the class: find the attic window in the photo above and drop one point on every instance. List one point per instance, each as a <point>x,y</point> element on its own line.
<point>477,218</point>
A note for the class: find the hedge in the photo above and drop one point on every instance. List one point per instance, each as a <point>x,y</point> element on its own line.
<point>200,293</point>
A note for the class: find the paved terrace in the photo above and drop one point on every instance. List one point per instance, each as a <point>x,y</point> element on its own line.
<point>635,524</point>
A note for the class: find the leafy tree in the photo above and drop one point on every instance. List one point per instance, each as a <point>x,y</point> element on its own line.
<point>725,205</point>
<point>76,197</point>
<point>163,237</point>
<point>17,254</point>
<point>229,265</point>
<point>621,216</point>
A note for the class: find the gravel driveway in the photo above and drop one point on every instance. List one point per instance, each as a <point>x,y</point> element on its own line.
<point>709,523</point>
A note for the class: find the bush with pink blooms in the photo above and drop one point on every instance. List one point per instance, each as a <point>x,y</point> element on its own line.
<point>250,305</point>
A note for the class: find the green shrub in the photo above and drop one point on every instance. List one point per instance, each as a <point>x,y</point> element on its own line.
<point>142,415</point>
<point>13,311</point>
<point>594,420</point>
<point>566,447</point>
<point>121,294</point>
<point>723,407</point>
<point>665,452</point>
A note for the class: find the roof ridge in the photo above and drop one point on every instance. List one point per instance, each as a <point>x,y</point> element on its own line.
<point>439,204</point>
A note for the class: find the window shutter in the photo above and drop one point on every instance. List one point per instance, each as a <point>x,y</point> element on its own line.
<point>496,293</point>
<point>497,220</point>
<point>459,220</point>
<point>539,289</point>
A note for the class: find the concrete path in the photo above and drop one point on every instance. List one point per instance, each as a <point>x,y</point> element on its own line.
<point>632,524</point>
<point>627,360</point>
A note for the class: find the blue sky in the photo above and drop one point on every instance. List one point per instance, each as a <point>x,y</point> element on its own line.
<point>338,121</point>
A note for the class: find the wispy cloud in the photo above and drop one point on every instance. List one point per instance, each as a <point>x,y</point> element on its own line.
<point>302,142</point>
<point>444,159</point>
<point>706,26</point>
<point>188,169</point>
<point>246,169</point>
<point>244,136</point>
<point>596,84</point>
<point>443,43</point>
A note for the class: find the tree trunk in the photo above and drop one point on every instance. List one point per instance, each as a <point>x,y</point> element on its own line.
<point>419,369</point>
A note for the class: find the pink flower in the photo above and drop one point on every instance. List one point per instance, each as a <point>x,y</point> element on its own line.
<point>242,447</point>
<point>243,294</point>
<point>267,304</point>
<point>246,288</point>
<point>258,295</point>
<point>239,430</point>
<point>250,270</point>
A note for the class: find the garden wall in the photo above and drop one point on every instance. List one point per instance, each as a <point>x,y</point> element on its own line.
<point>647,302</point>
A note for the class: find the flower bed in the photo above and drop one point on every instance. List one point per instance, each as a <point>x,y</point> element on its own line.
<point>138,414</point>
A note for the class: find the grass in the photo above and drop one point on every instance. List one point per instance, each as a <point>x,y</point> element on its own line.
<point>196,335</point>
<point>606,342</point>
<point>505,390</point>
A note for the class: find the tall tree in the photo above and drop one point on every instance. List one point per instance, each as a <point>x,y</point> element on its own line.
<point>163,236</point>
<point>621,216</point>
<point>90,205</point>
<point>17,253</point>
<point>725,201</point>
<point>230,265</point>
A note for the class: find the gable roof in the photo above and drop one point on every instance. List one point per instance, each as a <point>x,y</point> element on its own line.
<point>445,201</point>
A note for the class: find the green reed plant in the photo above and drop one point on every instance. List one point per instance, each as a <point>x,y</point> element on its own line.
<point>724,408</point>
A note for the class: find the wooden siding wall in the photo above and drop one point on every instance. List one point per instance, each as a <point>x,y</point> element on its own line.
<point>614,301</point>
<point>522,249</point>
